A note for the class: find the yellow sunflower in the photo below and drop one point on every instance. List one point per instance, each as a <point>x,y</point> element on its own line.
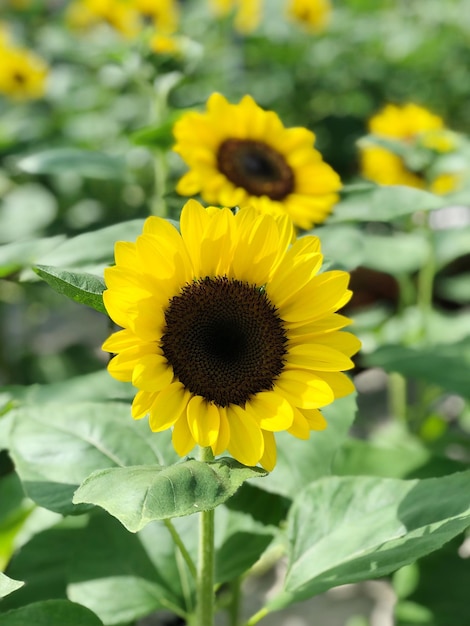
<point>229,334</point>
<point>314,15</point>
<point>164,14</point>
<point>409,123</point>
<point>119,14</point>
<point>240,154</point>
<point>247,12</point>
<point>22,74</point>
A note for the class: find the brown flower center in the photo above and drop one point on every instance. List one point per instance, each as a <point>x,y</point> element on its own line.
<point>224,340</point>
<point>256,167</point>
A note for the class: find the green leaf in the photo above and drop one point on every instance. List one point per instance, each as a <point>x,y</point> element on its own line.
<point>341,243</point>
<point>8,585</point>
<point>400,253</point>
<point>300,462</point>
<point>82,287</point>
<point>51,613</point>
<point>92,387</point>
<point>451,244</point>
<point>26,211</point>
<point>455,288</point>
<point>82,162</point>
<point>344,530</point>
<point>446,367</point>
<point>17,255</point>
<point>92,249</point>
<point>372,203</point>
<point>56,446</point>
<point>160,136</point>
<point>142,494</point>
<point>122,576</point>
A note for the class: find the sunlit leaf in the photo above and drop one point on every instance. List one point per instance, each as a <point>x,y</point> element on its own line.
<point>82,287</point>
<point>8,585</point>
<point>82,162</point>
<point>139,495</point>
<point>343,530</point>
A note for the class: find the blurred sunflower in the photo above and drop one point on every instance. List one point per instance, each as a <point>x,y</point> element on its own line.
<point>414,126</point>
<point>22,74</point>
<point>314,15</point>
<point>240,154</point>
<point>163,14</point>
<point>118,14</point>
<point>229,334</point>
<point>247,12</point>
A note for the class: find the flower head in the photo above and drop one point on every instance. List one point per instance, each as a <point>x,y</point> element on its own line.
<point>313,15</point>
<point>22,74</point>
<point>414,126</point>
<point>118,14</point>
<point>229,334</point>
<point>240,154</point>
<point>247,12</point>
<point>163,14</point>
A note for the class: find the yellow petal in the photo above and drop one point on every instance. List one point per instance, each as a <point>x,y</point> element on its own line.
<point>142,404</point>
<point>268,460</point>
<point>314,418</point>
<point>122,365</point>
<point>300,426</point>
<point>317,357</point>
<point>339,383</point>
<point>304,389</point>
<point>152,373</point>
<point>119,341</point>
<point>168,407</point>
<point>271,411</point>
<point>203,421</point>
<point>224,433</point>
<point>344,342</point>
<point>246,440</point>
<point>183,441</point>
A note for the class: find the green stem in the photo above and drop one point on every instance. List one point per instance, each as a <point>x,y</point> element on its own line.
<point>257,617</point>
<point>397,396</point>
<point>159,205</point>
<point>425,288</point>
<point>234,608</point>
<point>182,548</point>
<point>205,570</point>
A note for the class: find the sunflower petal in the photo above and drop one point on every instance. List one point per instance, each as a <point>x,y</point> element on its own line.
<point>246,440</point>
<point>203,421</point>
<point>168,407</point>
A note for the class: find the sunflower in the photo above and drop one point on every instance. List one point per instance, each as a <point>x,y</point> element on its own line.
<point>118,14</point>
<point>229,334</point>
<point>22,74</point>
<point>410,124</point>
<point>314,15</point>
<point>247,12</point>
<point>240,154</point>
<point>164,14</point>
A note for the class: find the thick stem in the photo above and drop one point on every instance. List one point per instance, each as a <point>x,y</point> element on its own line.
<point>234,608</point>
<point>397,397</point>
<point>205,569</point>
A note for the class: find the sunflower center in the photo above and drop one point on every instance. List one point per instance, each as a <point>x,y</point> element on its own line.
<point>256,167</point>
<point>224,340</point>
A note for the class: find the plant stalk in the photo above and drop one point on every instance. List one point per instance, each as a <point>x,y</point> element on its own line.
<point>205,569</point>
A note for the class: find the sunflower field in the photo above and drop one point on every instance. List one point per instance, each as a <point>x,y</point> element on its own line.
<point>234,312</point>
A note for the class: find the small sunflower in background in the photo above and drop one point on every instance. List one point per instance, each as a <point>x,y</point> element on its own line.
<point>163,14</point>
<point>414,127</point>
<point>239,154</point>
<point>22,74</point>
<point>313,15</point>
<point>119,14</point>
<point>248,13</point>
<point>229,333</point>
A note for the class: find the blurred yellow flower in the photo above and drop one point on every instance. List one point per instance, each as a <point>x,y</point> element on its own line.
<point>164,44</point>
<point>239,155</point>
<point>22,74</point>
<point>314,15</point>
<point>229,334</point>
<point>412,125</point>
<point>164,14</point>
<point>5,39</point>
<point>247,12</point>
<point>119,14</point>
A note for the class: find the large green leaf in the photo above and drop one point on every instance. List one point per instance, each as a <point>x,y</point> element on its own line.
<point>300,462</point>
<point>139,495</point>
<point>20,254</point>
<point>56,446</point>
<point>8,585</point>
<point>92,249</point>
<point>51,613</point>
<point>122,576</point>
<point>446,367</point>
<point>92,387</point>
<point>400,253</point>
<point>82,162</point>
<point>343,530</point>
<point>372,203</point>
<point>82,287</point>
<point>451,244</point>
